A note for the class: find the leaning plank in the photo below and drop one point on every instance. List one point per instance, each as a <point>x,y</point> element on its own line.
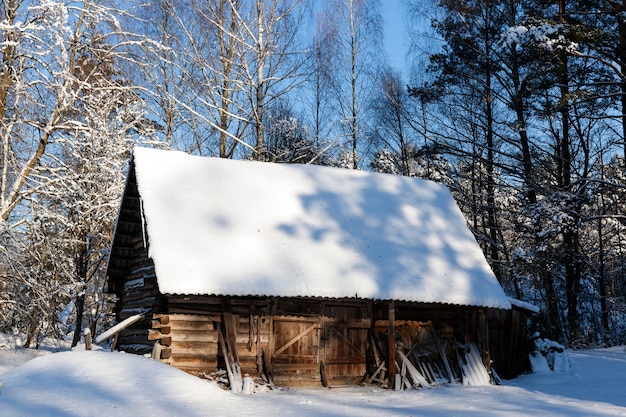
<point>478,365</point>
<point>380,370</point>
<point>472,368</point>
<point>234,373</point>
<point>416,376</point>
<point>442,352</point>
<point>119,327</point>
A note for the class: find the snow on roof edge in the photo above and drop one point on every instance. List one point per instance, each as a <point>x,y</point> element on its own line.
<point>524,305</point>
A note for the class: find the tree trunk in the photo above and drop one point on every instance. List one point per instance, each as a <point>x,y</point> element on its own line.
<point>353,121</point>
<point>260,86</point>
<point>564,163</point>
<point>489,134</point>
<point>80,308</point>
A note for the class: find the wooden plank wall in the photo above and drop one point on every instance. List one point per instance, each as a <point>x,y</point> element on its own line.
<point>289,348</point>
<point>508,340</point>
<point>328,343</point>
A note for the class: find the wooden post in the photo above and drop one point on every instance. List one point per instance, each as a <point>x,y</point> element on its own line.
<point>268,354</point>
<point>87,333</point>
<point>391,367</point>
<point>483,339</point>
<point>114,341</point>
<point>230,325</point>
<point>156,350</point>
<point>230,329</point>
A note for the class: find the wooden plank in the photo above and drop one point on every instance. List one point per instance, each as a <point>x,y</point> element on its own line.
<point>154,334</point>
<point>233,368</point>
<point>162,318</point>
<point>163,328</point>
<point>194,348</point>
<point>345,361</point>
<point>391,346</point>
<point>380,370</point>
<point>348,342</point>
<point>442,353</point>
<point>143,302</point>
<point>193,317</point>
<point>296,358</point>
<point>191,359</point>
<point>258,360</point>
<point>268,351</point>
<point>192,363</point>
<point>299,367</point>
<point>295,339</point>
<point>351,324</point>
<point>414,373</point>
<point>231,333</point>
<point>113,331</point>
<point>195,336</point>
<point>179,325</point>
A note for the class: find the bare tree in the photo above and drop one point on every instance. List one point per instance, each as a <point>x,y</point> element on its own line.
<point>272,63</point>
<point>354,32</point>
<point>225,61</point>
<point>393,120</point>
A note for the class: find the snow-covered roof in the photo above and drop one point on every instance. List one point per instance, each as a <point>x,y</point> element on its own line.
<point>228,227</point>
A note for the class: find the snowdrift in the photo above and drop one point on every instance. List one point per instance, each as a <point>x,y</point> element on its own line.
<point>101,383</point>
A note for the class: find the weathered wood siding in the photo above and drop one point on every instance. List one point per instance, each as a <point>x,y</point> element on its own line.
<point>307,341</point>
<point>292,349</point>
<point>508,341</point>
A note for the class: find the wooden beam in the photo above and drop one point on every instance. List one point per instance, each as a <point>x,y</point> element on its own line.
<point>230,330</point>
<point>114,331</point>
<point>391,346</point>
<point>230,349</point>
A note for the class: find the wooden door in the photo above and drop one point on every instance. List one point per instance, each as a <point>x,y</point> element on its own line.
<point>295,352</point>
<point>344,345</point>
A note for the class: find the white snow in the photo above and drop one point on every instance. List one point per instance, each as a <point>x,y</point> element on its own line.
<point>248,228</point>
<point>100,383</point>
<point>524,305</point>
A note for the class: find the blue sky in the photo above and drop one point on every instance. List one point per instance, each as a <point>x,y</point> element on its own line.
<point>395,37</point>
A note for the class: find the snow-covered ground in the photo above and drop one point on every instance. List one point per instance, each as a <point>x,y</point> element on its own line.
<point>100,383</point>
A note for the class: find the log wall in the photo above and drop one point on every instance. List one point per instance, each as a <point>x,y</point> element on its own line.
<point>191,342</point>
<point>139,295</point>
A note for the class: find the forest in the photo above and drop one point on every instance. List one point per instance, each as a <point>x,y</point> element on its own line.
<point>518,106</point>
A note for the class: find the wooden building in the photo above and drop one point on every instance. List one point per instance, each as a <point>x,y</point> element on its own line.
<point>300,275</point>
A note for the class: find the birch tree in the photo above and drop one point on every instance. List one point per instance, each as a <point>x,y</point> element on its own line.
<point>355,33</point>
<point>272,63</point>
